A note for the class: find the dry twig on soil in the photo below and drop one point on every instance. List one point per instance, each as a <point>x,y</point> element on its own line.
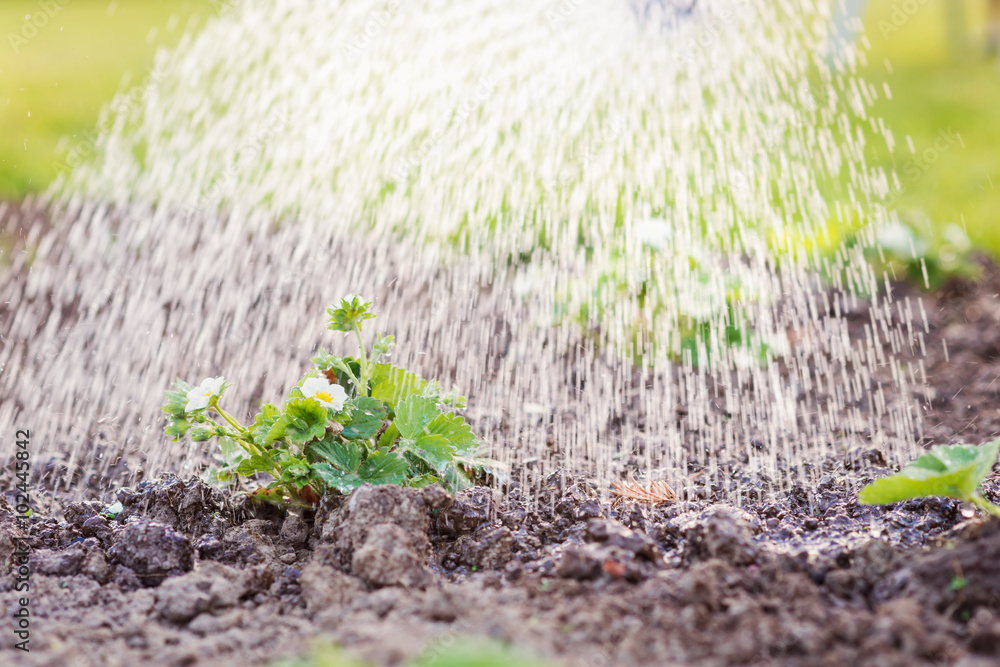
<point>658,493</point>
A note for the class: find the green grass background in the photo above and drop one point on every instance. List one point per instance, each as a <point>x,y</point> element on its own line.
<point>939,83</point>
<point>52,92</point>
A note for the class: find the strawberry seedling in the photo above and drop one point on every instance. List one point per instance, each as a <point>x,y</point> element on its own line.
<point>348,421</point>
<point>953,471</point>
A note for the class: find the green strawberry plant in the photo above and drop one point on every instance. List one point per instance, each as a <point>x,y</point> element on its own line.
<point>953,471</point>
<point>348,421</point>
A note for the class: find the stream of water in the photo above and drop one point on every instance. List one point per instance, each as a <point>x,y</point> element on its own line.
<point>609,222</point>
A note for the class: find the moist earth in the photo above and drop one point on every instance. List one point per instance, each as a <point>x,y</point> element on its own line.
<point>186,574</point>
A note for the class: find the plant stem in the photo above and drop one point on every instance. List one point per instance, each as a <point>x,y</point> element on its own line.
<point>232,422</point>
<point>242,434</point>
<point>248,447</point>
<point>350,374</point>
<point>985,505</point>
<point>364,362</point>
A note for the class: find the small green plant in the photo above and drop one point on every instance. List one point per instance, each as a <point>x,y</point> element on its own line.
<point>925,254</point>
<point>953,471</point>
<point>452,652</point>
<point>653,288</point>
<point>348,421</point>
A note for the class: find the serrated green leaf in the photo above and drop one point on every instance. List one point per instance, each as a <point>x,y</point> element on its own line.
<point>276,432</point>
<point>455,479</point>
<point>231,451</point>
<point>342,455</point>
<point>366,419</point>
<point>304,419</point>
<point>450,400</point>
<point>177,399</point>
<point>245,468</point>
<point>202,433</point>
<point>254,464</point>
<point>954,471</point>
<point>344,482</point>
<point>391,384</point>
<point>420,481</point>
<point>177,428</point>
<point>172,406</point>
<point>483,466</point>
<point>418,466</point>
<point>450,475</point>
<point>271,495</point>
<point>383,346</point>
<point>384,467</point>
<point>413,415</point>
<point>444,436</point>
<point>324,360</point>
<point>453,428</point>
<point>350,312</point>
<point>434,449</point>
<point>263,423</point>
<point>388,437</point>
<point>224,476</point>
<point>298,469</point>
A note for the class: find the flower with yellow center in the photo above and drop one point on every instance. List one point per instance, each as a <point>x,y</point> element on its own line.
<point>201,396</point>
<point>329,395</point>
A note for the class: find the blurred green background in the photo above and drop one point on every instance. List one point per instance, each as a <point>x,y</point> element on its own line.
<point>53,85</point>
<point>942,80</point>
<point>54,79</point>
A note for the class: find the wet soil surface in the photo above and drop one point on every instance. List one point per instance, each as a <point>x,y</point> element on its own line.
<point>187,575</point>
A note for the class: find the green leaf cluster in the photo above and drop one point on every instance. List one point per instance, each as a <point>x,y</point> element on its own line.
<point>951,471</point>
<point>436,443</point>
<point>180,421</point>
<point>394,427</point>
<point>349,313</point>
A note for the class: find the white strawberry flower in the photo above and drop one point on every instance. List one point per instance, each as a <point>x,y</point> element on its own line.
<point>329,395</point>
<point>202,395</point>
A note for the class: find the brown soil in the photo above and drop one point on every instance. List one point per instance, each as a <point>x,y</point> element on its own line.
<point>185,575</point>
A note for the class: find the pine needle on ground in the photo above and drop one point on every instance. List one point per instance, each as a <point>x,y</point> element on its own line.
<point>657,493</point>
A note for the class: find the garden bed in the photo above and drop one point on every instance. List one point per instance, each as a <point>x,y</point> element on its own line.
<point>185,575</point>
